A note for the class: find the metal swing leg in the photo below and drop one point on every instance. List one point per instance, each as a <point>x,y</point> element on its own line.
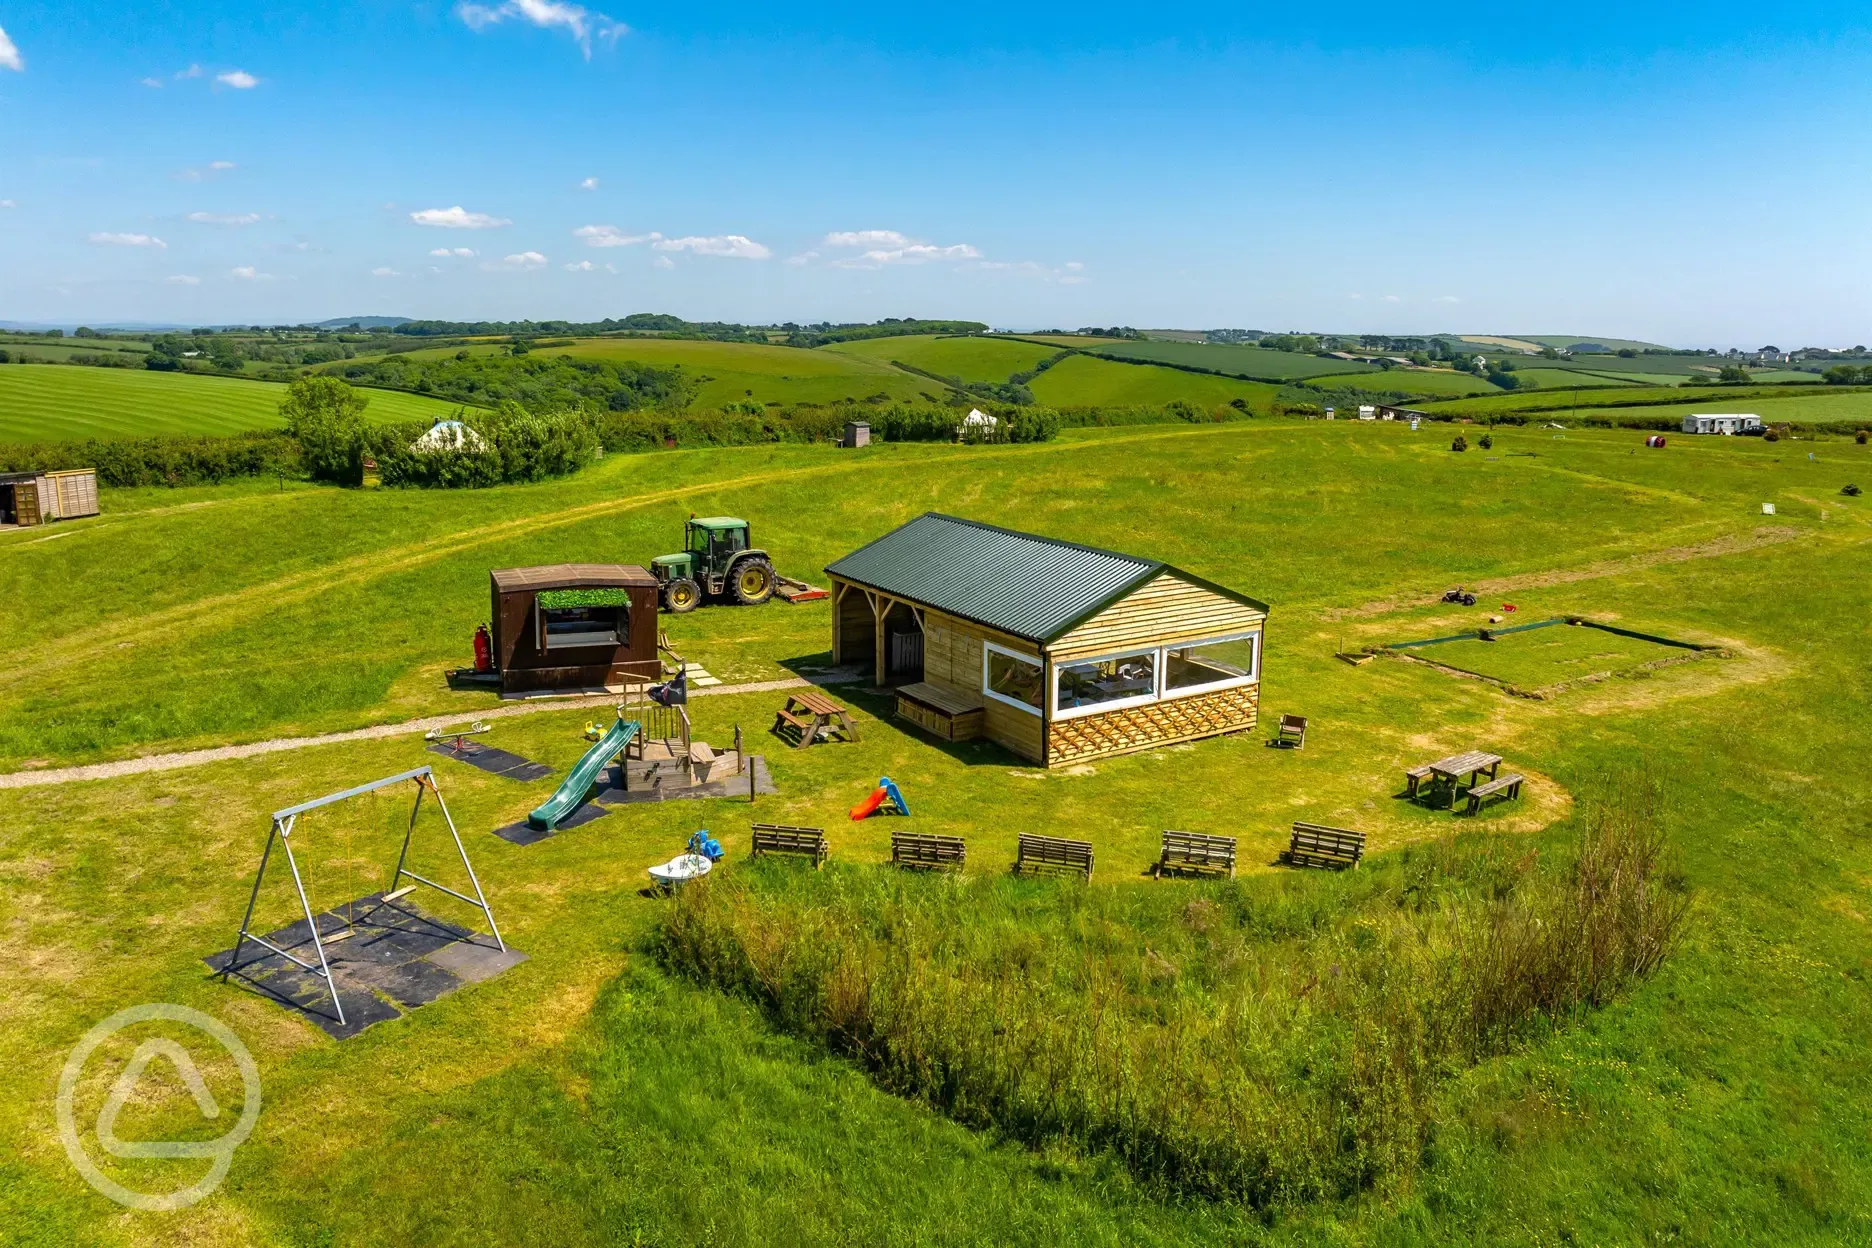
<point>479,900</point>
<point>282,830</point>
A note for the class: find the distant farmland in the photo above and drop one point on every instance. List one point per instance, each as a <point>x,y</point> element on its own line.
<point>730,372</point>
<point>1087,381</point>
<point>1257,363</point>
<point>63,403</point>
<point>970,359</point>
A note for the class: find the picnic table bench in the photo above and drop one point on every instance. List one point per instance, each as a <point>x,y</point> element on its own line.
<point>1197,851</point>
<point>811,714</point>
<point>1052,853</point>
<point>921,849</point>
<point>1509,785</point>
<point>1316,845</point>
<point>1470,762</point>
<point>780,838</point>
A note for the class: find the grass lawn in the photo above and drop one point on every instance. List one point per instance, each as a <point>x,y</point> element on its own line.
<point>1087,381</point>
<point>590,1095</point>
<point>1646,400</point>
<point>732,372</point>
<point>1432,382</point>
<point>971,359</point>
<point>1542,657</point>
<point>47,403</point>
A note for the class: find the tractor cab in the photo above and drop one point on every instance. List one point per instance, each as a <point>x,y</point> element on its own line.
<point>717,560</point>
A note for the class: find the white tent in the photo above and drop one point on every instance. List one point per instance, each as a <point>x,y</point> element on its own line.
<point>449,435</point>
<point>978,419</point>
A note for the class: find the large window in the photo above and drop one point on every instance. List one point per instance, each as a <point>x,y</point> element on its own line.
<point>570,618</point>
<point>1015,679</point>
<point>1213,664</point>
<point>1105,684</point>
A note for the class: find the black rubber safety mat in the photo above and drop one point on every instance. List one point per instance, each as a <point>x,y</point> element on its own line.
<point>644,788</point>
<point>397,958</point>
<point>524,833</point>
<point>493,761</point>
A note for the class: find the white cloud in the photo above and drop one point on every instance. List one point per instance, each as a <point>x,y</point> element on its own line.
<point>867,238</point>
<point>913,253</point>
<point>524,260</point>
<point>1392,299</point>
<point>193,71</point>
<point>581,23</point>
<point>384,271</point>
<point>7,203</point>
<point>214,167</point>
<point>183,279</point>
<point>465,253</point>
<point>106,238</point>
<point>1446,299</point>
<point>1074,266</point>
<point>611,236</point>
<point>664,262</point>
<point>152,82</point>
<point>805,257</point>
<point>239,79</point>
<point>220,166</point>
<point>738,246</point>
<point>457,218</point>
<point>589,184</point>
<point>247,273</point>
<point>224,218</point>
<point>10,57</point>
<point>583,266</point>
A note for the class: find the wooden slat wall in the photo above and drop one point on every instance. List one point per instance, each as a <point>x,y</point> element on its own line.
<point>952,656</point>
<point>1164,611</point>
<point>1158,723</point>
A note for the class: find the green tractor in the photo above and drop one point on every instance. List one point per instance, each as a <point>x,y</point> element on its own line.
<point>716,562</point>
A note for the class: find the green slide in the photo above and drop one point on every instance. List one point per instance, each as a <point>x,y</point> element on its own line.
<point>579,783</point>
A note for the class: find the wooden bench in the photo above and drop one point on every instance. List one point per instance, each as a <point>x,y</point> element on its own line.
<point>803,727</point>
<point>1315,845</point>
<point>919,849</point>
<point>1415,778</point>
<point>1510,785</point>
<point>941,711</point>
<point>1196,851</point>
<point>1052,853</point>
<point>1292,731</point>
<point>779,838</point>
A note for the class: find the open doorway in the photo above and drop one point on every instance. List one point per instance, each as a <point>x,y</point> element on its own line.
<point>903,645</point>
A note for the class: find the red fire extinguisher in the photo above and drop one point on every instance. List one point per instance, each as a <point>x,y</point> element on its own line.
<point>484,650</point>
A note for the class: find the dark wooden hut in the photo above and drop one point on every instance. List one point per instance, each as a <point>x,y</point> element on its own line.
<point>574,626</point>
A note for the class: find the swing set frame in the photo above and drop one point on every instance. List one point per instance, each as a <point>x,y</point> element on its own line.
<point>281,831</point>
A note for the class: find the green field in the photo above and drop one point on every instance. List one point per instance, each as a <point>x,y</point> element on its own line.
<point>597,1095</point>
<point>732,372</point>
<point>1087,381</point>
<point>1829,403</point>
<point>1430,382</point>
<point>1258,363</point>
<point>62,403</point>
<point>970,359</point>
<point>1564,378</point>
<point>1541,658</point>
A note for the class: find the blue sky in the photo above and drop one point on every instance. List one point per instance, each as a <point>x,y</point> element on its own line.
<point>1686,173</point>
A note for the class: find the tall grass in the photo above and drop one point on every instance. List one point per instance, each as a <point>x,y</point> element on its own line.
<point>1273,1042</point>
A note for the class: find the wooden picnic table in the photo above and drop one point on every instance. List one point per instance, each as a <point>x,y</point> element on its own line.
<point>1471,763</point>
<point>810,713</point>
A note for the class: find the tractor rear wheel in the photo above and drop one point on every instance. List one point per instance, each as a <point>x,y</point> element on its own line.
<point>753,581</point>
<point>681,595</point>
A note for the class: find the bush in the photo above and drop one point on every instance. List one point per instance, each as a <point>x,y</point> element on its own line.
<point>514,445</point>
<point>1486,442</point>
<point>161,461</point>
<point>1460,444</point>
<point>1860,437</point>
<point>326,417</point>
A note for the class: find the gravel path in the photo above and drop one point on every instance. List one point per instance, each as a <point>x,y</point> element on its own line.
<point>220,753</point>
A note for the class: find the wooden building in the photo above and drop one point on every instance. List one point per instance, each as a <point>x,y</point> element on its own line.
<point>29,498</point>
<point>574,626</point>
<point>1059,652</point>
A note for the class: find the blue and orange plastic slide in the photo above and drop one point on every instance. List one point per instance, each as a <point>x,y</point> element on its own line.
<point>886,792</point>
<point>578,782</point>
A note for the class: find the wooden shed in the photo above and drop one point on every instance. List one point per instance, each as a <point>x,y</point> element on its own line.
<point>574,626</point>
<point>29,498</point>
<point>1058,651</point>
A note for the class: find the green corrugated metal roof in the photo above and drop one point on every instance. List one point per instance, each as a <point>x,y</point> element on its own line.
<point>1034,587</point>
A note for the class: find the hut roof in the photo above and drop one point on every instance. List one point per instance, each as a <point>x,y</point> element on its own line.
<point>572,576</point>
<point>1037,588</point>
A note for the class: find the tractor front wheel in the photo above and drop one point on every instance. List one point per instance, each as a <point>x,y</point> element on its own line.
<point>753,582</point>
<point>681,595</point>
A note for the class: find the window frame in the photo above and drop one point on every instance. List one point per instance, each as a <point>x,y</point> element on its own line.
<point>1116,704</point>
<point>543,641</point>
<point>1039,661</point>
<point>1167,694</point>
